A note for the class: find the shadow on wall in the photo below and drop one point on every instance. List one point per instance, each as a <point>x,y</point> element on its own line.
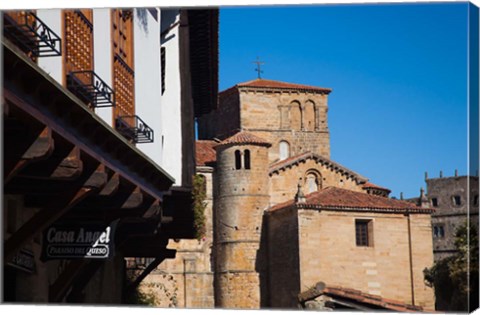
<point>261,265</point>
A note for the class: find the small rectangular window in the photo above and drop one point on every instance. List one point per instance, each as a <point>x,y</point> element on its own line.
<point>475,200</point>
<point>364,232</point>
<point>435,202</point>
<point>438,231</point>
<point>457,201</point>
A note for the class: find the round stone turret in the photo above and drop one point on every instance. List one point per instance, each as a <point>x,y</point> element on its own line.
<point>241,197</point>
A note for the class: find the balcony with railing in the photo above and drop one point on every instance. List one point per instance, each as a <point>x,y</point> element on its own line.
<point>91,89</point>
<point>134,129</point>
<point>30,34</point>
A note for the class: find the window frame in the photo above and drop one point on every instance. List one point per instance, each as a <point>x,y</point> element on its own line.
<point>238,160</point>
<point>366,233</point>
<point>286,146</point>
<point>438,230</point>
<point>246,159</point>
<point>457,200</point>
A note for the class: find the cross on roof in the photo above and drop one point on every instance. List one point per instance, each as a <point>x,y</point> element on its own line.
<point>258,69</point>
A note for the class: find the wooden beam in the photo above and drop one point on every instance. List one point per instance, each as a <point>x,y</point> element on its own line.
<point>25,150</point>
<point>111,187</point>
<point>350,304</point>
<point>123,203</point>
<point>311,293</point>
<point>90,182</point>
<point>63,164</point>
<point>121,200</point>
<point>43,219</point>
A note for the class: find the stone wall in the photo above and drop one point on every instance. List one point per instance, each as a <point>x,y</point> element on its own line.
<point>323,256</point>
<point>283,184</point>
<point>328,253</point>
<point>448,215</point>
<point>221,122</point>
<point>186,288</point>
<point>240,198</point>
<point>297,118</point>
<point>283,259</point>
<point>299,142</point>
<point>422,256</point>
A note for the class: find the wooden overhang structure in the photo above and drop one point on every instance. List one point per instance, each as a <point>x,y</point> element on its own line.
<point>68,163</point>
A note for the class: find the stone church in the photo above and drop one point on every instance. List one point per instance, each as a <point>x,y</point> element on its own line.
<point>282,216</point>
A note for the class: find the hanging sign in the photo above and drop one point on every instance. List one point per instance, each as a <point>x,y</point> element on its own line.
<point>23,260</point>
<point>68,241</point>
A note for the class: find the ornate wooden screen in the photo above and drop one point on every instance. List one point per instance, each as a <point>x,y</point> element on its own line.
<point>123,73</point>
<point>78,42</point>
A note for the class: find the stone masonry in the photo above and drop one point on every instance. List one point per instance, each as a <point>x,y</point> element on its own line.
<point>454,198</point>
<point>276,112</point>
<point>240,199</point>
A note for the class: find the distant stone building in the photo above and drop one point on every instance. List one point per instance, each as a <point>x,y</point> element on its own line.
<point>282,216</point>
<point>455,200</point>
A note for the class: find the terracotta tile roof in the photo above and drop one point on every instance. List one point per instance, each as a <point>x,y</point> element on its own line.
<point>243,137</point>
<point>371,185</point>
<point>204,152</point>
<point>339,199</point>
<point>371,299</point>
<point>283,164</point>
<point>278,85</point>
<point>262,83</point>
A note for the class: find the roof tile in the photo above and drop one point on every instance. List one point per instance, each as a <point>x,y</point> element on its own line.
<point>372,185</point>
<point>262,83</point>
<point>243,137</point>
<point>376,300</point>
<point>333,198</point>
<point>205,153</point>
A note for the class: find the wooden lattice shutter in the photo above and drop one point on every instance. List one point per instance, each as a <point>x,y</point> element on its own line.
<point>78,42</point>
<point>123,71</point>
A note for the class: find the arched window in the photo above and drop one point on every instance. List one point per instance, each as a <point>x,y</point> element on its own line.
<point>312,181</point>
<point>309,116</point>
<point>238,161</point>
<point>295,115</point>
<point>284,149</point>
<point>247,159</point>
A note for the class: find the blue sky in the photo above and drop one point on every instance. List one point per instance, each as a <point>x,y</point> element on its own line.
<point>398,74</point>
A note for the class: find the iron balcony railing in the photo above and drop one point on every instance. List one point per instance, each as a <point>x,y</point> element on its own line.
<point>31,34</point>
<point>135,129</point>
<point>91,89</point>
